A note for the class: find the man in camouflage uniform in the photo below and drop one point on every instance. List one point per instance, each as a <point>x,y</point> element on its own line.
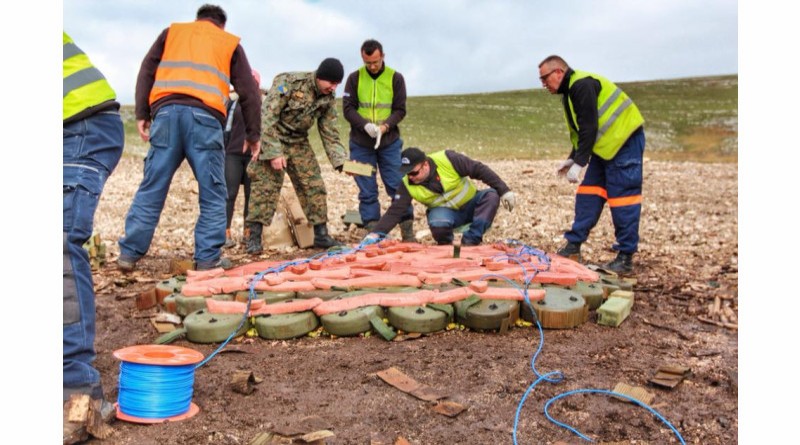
<point>295,101</point>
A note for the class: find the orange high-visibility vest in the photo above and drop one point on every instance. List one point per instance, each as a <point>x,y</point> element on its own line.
<point>196,62</point>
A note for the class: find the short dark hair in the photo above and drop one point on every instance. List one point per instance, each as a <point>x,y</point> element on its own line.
<point>554,61</point>
<point>214,13</point>
<point>369,46</point>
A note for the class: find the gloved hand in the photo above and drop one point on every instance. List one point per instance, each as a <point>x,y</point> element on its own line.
<point>371,129</point>
<point>378,140</point>
<point>508,200</point>
<point>574,173</point>
<point>564,166</point>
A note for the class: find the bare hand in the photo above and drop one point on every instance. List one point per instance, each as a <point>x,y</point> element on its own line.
<point>144,129</point>
<point>278,163</point>
<point>254,147</point>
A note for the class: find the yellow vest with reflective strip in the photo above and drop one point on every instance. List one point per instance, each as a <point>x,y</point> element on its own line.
<point>618,117</point>
<point>458,190</point>
<point>375,95</point>
<point>84,85</point>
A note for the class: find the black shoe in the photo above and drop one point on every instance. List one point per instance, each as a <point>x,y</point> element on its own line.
<point>622,264</point>
<point>571,251</point>
<point>470,242</point>
<point>126,264</point>
<point>322,239</point>
<point>254,238</point>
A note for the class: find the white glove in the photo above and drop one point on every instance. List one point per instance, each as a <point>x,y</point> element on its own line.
<point>508,200</point>
<point>378,141</point>
<point>574,173</point>
<point>371,129</point>
<point>564,166</point>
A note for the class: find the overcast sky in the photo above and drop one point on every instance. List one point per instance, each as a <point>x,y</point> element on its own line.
<point>440,46</point>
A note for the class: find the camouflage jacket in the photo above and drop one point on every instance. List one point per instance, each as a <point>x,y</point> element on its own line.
<point>291,107</point>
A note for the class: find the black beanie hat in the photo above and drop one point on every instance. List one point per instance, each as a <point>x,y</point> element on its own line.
<point>331,70</point>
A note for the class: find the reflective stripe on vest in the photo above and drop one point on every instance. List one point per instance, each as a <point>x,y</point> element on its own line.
<point>196,62</point>
<point>618,117</point>
<point>458,190</point>
<point>375,95</point>
<point>84,85</point>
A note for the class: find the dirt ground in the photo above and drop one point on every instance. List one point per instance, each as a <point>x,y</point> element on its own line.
<point>688,261</point>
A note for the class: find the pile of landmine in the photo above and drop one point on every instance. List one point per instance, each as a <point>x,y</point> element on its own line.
<point>416,288</point>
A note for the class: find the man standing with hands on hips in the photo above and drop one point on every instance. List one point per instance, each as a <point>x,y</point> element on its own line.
<point>374,102</point>
<point>607,134</point>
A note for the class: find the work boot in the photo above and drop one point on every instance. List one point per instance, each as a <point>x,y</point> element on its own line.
<point>224,263</point>
<point>407,231</point>
<point>229,242</point>
<point>254,238</point>
<point>126,264</point>
<point>322,239</point>
<point>571,250</point>
<point>622,264</point>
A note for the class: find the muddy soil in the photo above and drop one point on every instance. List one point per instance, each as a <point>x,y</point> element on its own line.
<point>688,261</point>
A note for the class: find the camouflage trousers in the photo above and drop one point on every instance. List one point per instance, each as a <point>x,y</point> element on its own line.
<point>303,170</point>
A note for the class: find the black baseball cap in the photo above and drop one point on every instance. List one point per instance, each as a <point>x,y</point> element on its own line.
<point>410,158</point>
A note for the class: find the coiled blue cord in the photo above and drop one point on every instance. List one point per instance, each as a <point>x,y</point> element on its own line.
<point>154,391</point>
<point>558,376</point>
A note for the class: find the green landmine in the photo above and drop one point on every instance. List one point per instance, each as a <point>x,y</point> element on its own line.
<point>613,280</point>
<point>186,305</point>
<point>268,297</point>
<point>486,314</point>
<point>419,319</point>
<point>170,303</point>
<point>202,327</point>
<point>560,309</point>
<point>285,326</point>
<point>325,295</point>
<point>170,286</point>
<point>591,292</point>
<point>349,323</point>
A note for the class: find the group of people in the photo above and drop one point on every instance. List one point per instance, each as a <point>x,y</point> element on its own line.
<point>185,110</point>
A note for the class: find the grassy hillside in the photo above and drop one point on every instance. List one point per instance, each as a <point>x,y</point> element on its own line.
<point>694,119</point>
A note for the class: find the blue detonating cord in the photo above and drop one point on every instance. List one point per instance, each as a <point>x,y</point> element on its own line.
<point>153,391</point>
<point>558,376</point>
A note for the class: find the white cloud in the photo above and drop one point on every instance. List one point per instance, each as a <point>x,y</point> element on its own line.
<point>441,47</point>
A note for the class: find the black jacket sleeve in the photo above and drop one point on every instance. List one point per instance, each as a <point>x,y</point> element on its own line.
<point>583,94</point>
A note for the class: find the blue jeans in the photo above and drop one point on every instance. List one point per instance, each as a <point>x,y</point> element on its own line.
<point>92,149</point>
<point>479,212</point>
<point>618,181</point>
<point>180,132</point>
<point>387,160</point>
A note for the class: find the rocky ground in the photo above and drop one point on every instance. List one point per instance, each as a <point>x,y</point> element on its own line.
<point>686,314</point>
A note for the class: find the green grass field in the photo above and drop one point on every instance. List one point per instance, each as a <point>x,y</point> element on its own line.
<point>693,119</point>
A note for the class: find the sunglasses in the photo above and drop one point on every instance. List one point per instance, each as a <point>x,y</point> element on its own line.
<point>414,173</point>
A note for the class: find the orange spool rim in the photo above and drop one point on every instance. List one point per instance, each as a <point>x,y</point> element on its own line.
<point>165,355</point>
<point>193,409</point>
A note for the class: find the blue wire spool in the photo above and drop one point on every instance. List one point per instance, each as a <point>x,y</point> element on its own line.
<point>156,383</point>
